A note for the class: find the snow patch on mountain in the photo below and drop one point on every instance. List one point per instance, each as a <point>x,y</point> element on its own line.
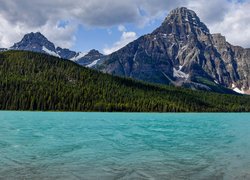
<point>216,82</point>
<point>180,74</point>
<point>239,91</point>
<point>78,56</point>
<point>50,52</point>
<point>93,63</point>
<point>236,89</point>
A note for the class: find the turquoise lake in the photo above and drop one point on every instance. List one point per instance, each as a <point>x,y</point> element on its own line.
<point>39,145</point>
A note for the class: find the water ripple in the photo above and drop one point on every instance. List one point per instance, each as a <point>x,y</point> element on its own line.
<point>124,146</point>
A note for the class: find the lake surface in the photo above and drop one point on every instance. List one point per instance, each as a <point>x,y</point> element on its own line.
<point>36,145</point>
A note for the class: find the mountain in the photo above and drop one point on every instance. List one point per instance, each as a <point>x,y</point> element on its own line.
<point>37,42</point>
<point>35,81</point>
<point>66,53</point>
<point>183,52</point>
<point>92,58</point>
<point>3,49</point>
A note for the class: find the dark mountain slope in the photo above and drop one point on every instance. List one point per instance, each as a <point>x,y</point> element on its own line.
<point>91,58</point>
<point>33,81</point>
<point>37,42</point>
<point>182,52</point>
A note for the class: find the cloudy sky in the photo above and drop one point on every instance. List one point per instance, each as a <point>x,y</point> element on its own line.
<point>108,25</point>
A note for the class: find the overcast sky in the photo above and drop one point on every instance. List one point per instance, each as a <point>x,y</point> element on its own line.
<point>107,25</point>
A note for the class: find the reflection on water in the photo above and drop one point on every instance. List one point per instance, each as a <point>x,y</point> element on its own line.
<point>124,146</point>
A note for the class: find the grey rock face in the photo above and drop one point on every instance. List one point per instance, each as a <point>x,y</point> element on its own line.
<point>3,49</point>
<point>182,52</point>
<point>237,62</point>
<point>37,42</point>
<point>91,58</point>
<point>65,53</point>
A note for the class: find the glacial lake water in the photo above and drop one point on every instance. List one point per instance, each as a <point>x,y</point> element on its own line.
<point>39,145</point>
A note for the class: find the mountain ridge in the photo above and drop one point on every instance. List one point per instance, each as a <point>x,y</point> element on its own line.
<point>37,42</point>
<point>182,52</point>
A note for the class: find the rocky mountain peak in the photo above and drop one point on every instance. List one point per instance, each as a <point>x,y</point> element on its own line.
<point>91,58</point>
<point>35,36</point>
<point>65,53</point>
<point>37,42</point>
<point>219,40</point>
<point>182,12</point>
<point>181,22</point>
<point>182,52</point>
<point>34,42</point>
<point>182,15</point>
<point>94,52</point>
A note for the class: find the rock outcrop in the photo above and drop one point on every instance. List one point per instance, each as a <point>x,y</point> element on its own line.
<point>183,52</point>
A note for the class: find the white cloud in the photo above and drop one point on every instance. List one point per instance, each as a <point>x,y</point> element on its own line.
<point>125,39</point>
<point>235,25</point>
<point>61,36</point>
<point>230,17</point>
<point>210,11</point>
<point>121,28</point>
<point>8,32</point>
<point>37,15</point>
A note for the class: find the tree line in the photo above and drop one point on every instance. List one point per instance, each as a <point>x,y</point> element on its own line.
<point>33,81</point>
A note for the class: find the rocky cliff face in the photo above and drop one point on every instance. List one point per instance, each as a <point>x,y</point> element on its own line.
<point>66,53</point>
<point>91,58</point>
<point>37,42</point>
<point>184,53</point>
<point>3,49</point>
<point>237,63</point>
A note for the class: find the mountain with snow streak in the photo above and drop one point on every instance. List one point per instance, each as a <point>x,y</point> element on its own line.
<point>91,59</point>
<point>183,52</point>
<point>37,42</point>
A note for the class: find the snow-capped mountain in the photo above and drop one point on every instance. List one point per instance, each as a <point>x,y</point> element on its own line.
<point>183,52</point>
<point>90,59</point>
<point>37,42</point>
<point>3,49</point>
<point>66,53</point>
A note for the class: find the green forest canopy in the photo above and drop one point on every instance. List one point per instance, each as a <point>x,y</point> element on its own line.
<point>33,81</point>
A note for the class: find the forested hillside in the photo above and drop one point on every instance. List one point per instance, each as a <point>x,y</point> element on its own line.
<point>33,81</point>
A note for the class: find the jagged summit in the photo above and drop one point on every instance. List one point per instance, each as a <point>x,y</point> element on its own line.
<point>34,42</point>
<point>182,52</point>
<point>37,42</point>
<point>94,52</point>
<point>182,13</point>
<point>36,35</point>
<point>181,22</point>
<point>91,58</point>
<point>33,38</point>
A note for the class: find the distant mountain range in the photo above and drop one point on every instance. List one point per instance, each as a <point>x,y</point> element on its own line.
<point>181,52</point>
<point>37,42</point>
